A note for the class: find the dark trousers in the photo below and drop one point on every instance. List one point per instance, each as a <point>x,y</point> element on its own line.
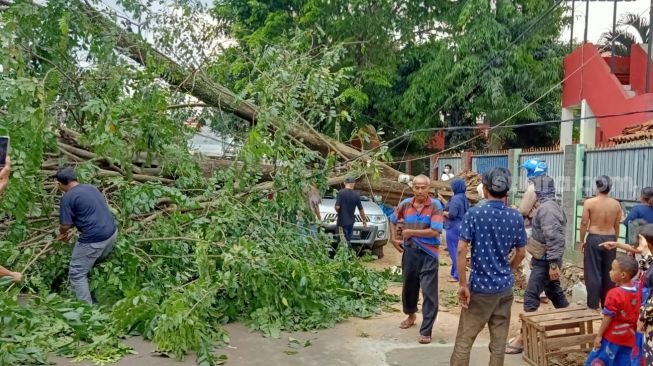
<point>598,262</point>
<point>490,309</point>
<point>539,281</point>
<point>347,231</point>
<point>420,270</point>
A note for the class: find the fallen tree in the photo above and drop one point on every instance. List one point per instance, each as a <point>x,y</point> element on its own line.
<point>195,250</point>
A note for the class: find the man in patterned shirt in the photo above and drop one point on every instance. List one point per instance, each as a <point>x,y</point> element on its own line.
<point>493,231</point>
<point>423,221</point>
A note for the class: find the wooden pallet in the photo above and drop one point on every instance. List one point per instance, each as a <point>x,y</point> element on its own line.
<point>557,332</point>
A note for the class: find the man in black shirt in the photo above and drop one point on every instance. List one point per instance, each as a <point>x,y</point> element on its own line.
<point>346,203</point>
<point>84,207</point>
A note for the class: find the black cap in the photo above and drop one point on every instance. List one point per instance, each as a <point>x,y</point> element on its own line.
<point>497,181</point>
<point>350,180</point>
<point>66,175</point>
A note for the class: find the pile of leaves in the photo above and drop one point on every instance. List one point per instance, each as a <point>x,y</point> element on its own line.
<point>194,252</point>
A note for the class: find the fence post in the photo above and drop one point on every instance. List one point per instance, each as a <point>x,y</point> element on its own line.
<point>513,165</point>
<point>467,160</point>
<point>433,167</point>
<point>573,171</point>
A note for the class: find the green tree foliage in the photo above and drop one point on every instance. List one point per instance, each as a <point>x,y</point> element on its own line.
<point>224,252</point>
<point>429,64</point>
<point>631,29</point>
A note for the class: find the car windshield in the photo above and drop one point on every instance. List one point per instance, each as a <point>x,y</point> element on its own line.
<point>332,195</point>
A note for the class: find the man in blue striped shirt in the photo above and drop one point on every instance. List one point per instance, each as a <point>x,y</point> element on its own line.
<point>422,224</point>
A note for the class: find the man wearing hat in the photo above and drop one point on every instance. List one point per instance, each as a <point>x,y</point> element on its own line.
<point>347,201</point>
<point>84,206</point>
<point>492,231</point>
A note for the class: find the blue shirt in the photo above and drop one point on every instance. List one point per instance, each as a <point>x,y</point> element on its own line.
<point>644,212</point>
<point>86,208</point>
<point>429,217</point>
<point>493,231</point>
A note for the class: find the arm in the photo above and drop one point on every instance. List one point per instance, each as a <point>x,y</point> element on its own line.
<point>609,245</point>
<point>422,233</point>
<point>4,175</point>
<point>584,223</point>
<point>363,216</point>
<point>17,276</point>
<point>394,219</point>
<point>338,201</point>
<point>617,223</point>
<point>527,202</point>
<point>632,215</point>
<point>463,290</point>
<point>554,234</point>
<point>607,319</point>
<point>520,254</point>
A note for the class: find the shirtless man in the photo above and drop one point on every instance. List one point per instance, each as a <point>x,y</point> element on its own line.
<point>601,217</point>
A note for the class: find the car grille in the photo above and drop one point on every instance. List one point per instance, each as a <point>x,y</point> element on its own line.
<point>334,217</point>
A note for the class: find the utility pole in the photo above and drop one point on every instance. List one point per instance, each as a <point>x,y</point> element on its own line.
<point>648,54</point>
<point>614,33</point>
<point>587,17</point>
<point>571,38</point>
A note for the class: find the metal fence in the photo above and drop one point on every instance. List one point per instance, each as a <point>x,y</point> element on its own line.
<point>483,163</point>
<point>629,168</point>
<point>555,161</point>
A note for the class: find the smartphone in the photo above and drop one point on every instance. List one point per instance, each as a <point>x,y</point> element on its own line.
<point>4,148</point>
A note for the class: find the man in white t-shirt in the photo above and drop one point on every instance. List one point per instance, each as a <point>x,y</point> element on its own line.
<point>447,173</point>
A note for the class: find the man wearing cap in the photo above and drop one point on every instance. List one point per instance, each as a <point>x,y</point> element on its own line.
<point>493,231</point>
<point>83,206</point>
<point>422,225</point>
<point>601,218</point>
<point>347,201</point>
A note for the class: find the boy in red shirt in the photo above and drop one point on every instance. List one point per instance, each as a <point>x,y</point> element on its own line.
<point>616,337</point>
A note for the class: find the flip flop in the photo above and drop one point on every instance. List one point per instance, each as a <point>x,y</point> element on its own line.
<point>405,324</point>
<point>512,350</point>
<point>451,279</point>
<point>425,339</point>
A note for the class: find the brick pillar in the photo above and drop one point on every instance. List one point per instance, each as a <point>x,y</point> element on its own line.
<point>467,160</point>
<point>513,165</point>
<point>434,167</point>
<point>574,168</point>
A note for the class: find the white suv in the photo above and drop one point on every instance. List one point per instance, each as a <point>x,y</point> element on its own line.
<point>372,237</point>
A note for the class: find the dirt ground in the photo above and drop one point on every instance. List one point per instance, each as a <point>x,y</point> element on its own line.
<point>377,341</point>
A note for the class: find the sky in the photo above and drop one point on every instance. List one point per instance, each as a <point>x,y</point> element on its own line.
<point>600,17</point>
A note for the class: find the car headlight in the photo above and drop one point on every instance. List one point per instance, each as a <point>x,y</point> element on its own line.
<point>377,219</point>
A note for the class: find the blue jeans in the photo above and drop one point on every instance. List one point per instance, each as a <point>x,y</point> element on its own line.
<point>452,235</point>
<point>85,255</point>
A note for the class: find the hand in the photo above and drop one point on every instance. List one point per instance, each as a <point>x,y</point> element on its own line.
<point>554,274</point>
<point>397,244</point>
<point>463,296</point>
<point>64,237</point>
<point>364,223</point>
<point>17,276</point>
<point>609,245</point>
<point>640,326</point>
<point>6,170</point>
<point>597,342</point>
<point>407,233</point>
<point>582,246</point>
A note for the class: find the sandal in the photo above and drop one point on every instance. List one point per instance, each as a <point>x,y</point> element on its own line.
<point>513,350</point>
<point>425,339</point>
<point>405,324</point>
<point>451,279</point>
